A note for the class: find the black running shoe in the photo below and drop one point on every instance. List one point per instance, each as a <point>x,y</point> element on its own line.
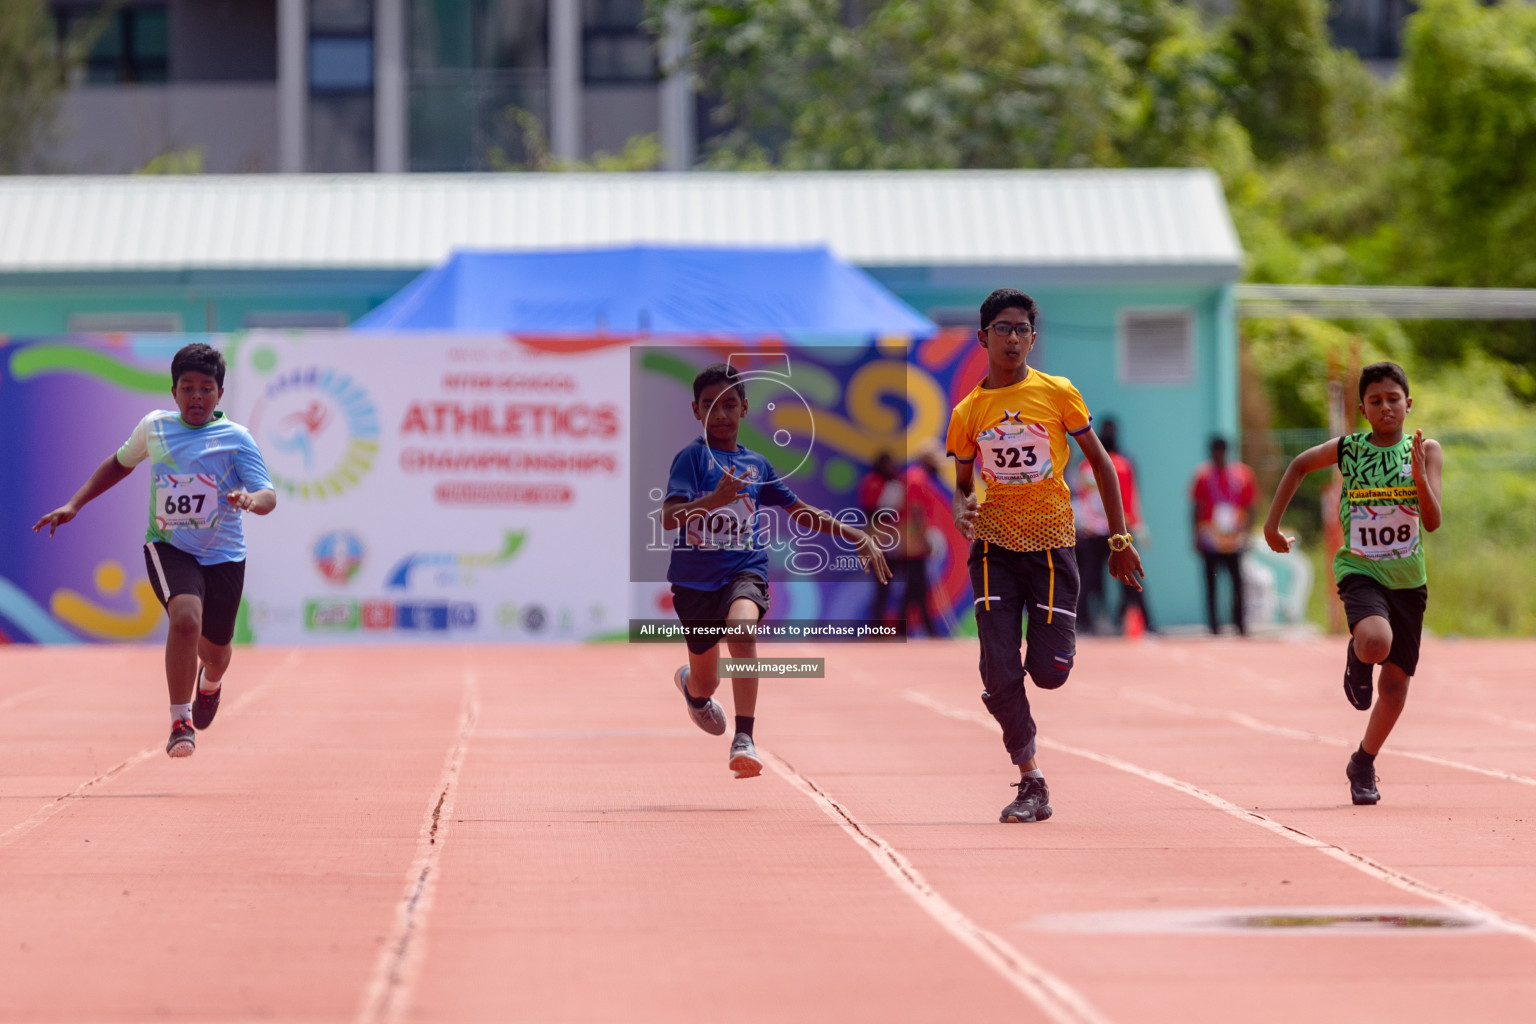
<point>1362,782</point>
<point>183,739</point>
<point>1357,680</point>
<point>204,705</point>
<point>1032,804</point>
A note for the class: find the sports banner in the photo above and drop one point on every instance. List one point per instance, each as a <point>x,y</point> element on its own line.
<point>432,487</point>
<point>435,488</point>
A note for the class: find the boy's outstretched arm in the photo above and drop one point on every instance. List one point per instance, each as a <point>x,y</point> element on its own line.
<point>107,474</point>
<point>1320,457</point>
<point>1427,460</point>
<point>822,521</point>
<point>1125,564</point>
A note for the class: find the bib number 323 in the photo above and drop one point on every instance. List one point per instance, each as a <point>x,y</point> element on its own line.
<point>186,501</point>
<point>1020,456</point>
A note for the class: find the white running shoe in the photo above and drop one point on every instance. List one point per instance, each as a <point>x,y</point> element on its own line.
<point>744,759</point>
<point>710,717</point>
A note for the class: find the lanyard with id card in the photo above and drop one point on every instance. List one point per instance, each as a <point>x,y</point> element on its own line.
<point>185,501</point>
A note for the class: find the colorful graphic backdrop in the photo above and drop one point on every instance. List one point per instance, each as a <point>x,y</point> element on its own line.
<point>448,488</point>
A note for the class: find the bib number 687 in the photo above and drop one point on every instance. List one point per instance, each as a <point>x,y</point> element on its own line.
<point>183,504</point>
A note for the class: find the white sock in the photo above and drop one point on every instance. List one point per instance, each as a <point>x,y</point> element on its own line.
<point>206,685</point>
<point>1034,773</point>
<point>181,713</point>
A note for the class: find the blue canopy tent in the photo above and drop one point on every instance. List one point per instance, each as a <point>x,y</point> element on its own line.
<point>649,290</point>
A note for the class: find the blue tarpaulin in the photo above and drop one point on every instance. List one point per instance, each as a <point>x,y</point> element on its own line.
<point>649,289</point>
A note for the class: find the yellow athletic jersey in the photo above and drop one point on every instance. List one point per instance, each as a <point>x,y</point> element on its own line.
<point>1017,437</point>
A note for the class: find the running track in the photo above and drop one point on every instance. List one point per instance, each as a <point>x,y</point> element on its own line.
<point>539,834</point>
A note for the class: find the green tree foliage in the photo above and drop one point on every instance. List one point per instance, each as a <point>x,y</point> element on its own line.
<point>34,71</point>
<point>960,83</point>
<point>1282,56</point>
<point>1469,188</point>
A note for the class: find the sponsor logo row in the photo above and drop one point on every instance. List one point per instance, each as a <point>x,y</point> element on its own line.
<point>346,615</point>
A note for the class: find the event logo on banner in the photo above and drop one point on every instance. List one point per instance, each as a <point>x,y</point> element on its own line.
<point>435,484</point>
<point>318,430</point>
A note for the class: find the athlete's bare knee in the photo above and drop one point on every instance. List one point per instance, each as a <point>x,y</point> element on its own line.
<point>742,648</point>
<point>186,624</point>
<point>1373,640</point>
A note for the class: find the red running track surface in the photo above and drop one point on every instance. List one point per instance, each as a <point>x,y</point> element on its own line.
<point>540,834</point>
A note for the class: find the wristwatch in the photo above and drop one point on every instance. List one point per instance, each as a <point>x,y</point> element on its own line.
<point>1119,541</point>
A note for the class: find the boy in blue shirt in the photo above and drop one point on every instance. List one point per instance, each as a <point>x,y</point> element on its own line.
<point>719,569</point>
<point>204,473</point>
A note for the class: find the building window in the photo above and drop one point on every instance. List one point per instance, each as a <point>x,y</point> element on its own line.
<point>341,128</point>
<point>297,319</point>
<point>134,44</point>
<point>615,46</point>
<point>1157,346</point>
<point>340,64</point>
<point>124,323</point>
<point>1371,28</point>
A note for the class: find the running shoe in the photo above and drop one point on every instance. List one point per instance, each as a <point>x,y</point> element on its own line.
<point>710,717</point>
<point>1032,804</point>
<point>744,759</point>
<point>1357,680</point>
<point>183,739</point>
<point>204,705</point>
<point>1362,782</point>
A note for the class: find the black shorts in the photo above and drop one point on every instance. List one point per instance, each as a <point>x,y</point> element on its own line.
<point>1364,596</point>
<point>173,572</point>
<point>696,608</point>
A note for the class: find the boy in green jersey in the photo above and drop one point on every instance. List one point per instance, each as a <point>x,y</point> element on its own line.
<point>1391,489</point>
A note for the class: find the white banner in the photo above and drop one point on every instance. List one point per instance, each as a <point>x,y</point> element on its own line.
<point>435,488</point>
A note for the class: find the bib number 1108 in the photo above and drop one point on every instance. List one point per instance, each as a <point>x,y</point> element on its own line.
<point>1385,536</point>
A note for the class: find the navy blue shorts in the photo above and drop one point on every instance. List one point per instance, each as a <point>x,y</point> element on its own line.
<point>708,608</point>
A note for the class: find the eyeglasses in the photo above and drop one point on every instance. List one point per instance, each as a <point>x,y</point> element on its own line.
<point>1001,329</point>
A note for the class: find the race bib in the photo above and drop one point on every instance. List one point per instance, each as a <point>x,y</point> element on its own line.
<point>1225,517</point>
<point>722,529</point>
<point>185,501</point>
<point>1381,532</point>
<point>1015,455</point>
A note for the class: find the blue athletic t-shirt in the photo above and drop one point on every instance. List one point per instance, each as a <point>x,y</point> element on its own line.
<point>190,471</point>
<point>712,547</point>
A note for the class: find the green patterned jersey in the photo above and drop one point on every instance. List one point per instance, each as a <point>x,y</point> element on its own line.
<point>1379,511</point>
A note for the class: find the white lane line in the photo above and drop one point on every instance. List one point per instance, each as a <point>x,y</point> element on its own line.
<point>17,698</point>
<point>1060,1001</point>
<point>57,804</point>
<point>1358,861</point>
<point>1249,722</point>
<point>388,995</point>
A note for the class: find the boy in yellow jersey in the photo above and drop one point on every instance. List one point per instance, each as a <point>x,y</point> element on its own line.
<point>1391,489</point>
<point>1012,432</point>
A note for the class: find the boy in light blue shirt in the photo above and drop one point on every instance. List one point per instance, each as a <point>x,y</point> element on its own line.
<point>205,472</point>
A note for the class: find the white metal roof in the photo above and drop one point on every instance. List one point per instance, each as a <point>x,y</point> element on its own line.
<point>1095,218</point>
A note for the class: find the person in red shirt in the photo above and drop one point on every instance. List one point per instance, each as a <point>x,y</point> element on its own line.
<point>908,499</point>
<point>1222,495</point>
<point>1093,535</point>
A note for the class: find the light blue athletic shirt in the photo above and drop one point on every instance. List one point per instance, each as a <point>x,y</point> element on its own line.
<point>190,471</point>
